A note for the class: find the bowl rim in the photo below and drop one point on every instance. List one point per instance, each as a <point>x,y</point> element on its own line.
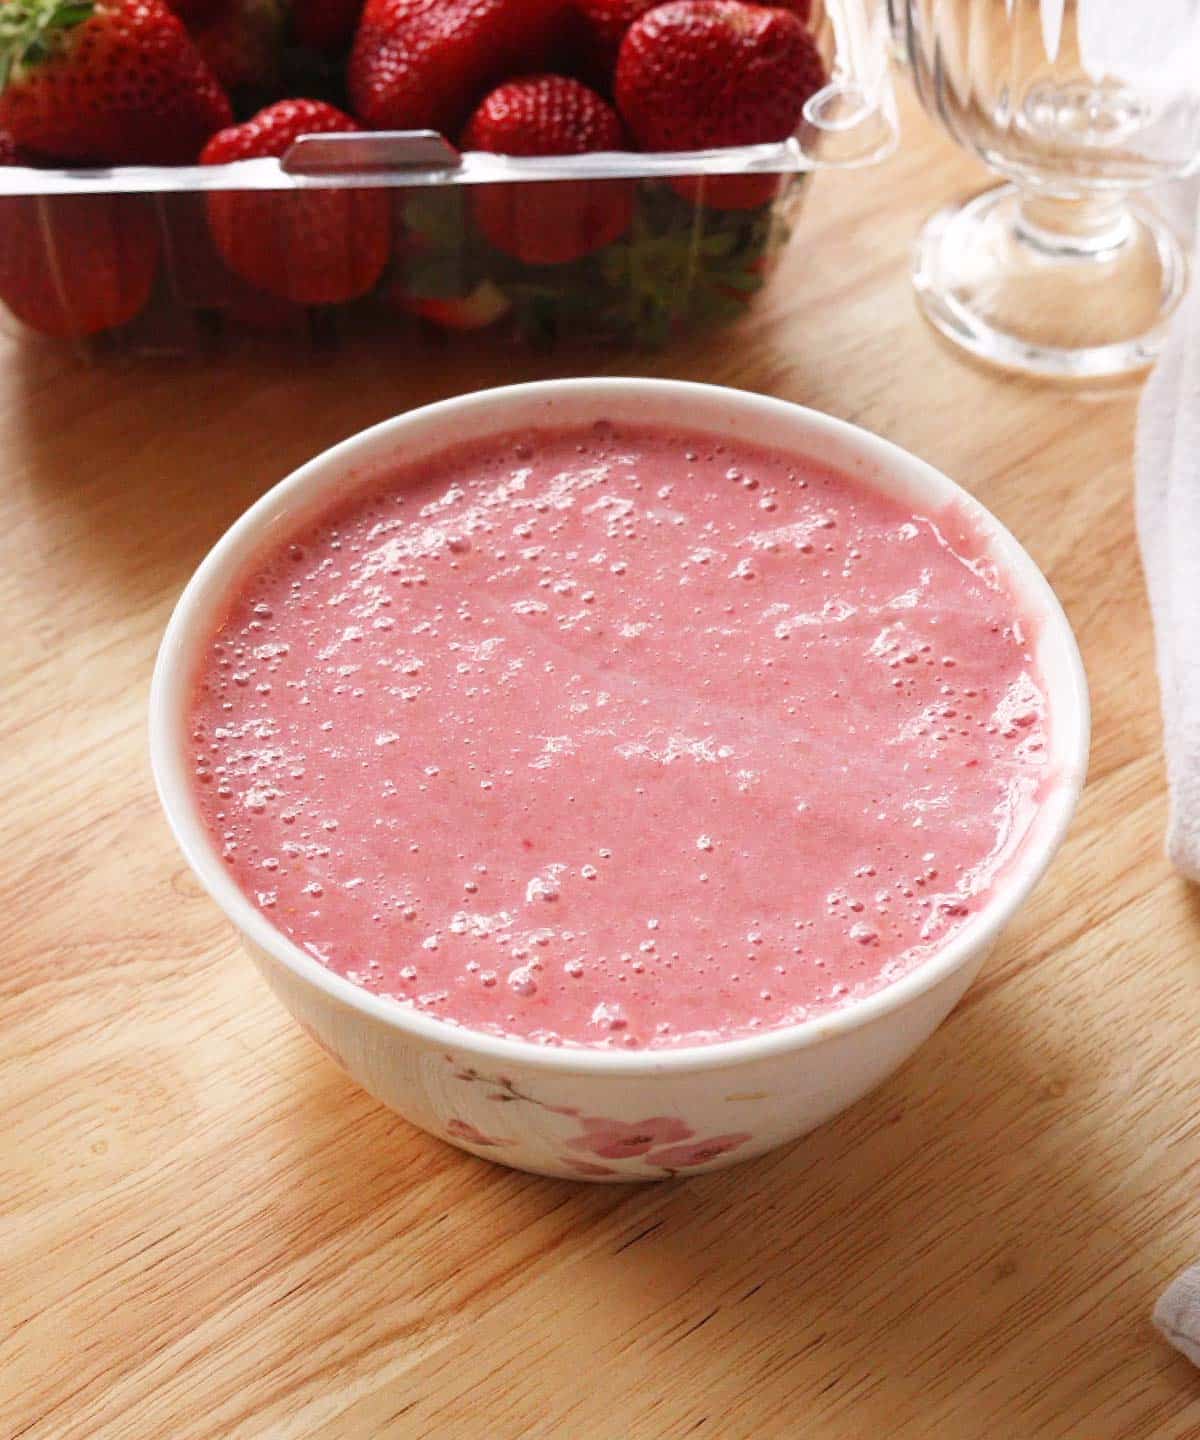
<point>175,663</point>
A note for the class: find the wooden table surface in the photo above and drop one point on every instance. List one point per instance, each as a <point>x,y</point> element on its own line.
<point>206,1231</point>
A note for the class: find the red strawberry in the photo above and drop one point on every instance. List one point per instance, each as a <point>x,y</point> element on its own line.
<point>601,27</point>
<point>704,74</point>
<point>114,82</point>
<point>71,265</point>
<point>325,25</point>
<point>315,247</point>
<point>486,304</point>
<point>243,44</point>
<point>592,36</point>
<point>603,23</point>
<point>561,220</point>
<point>420,64</point>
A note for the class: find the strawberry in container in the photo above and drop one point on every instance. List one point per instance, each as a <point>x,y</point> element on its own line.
<point>713,74</point>
<point>523,228</point>
<point>443,269</point>
<point>75,265</point>
<point>115,82</point>
<point>520,226</point>
<point>558,221</point>
<point>423,64</point>
<point>624,169</point>
<point>600,26</point>
<point>594,255</point>
<point>243,43</point>
<point>105,82</point>
<point>313,247</point>
<point>636,260</point>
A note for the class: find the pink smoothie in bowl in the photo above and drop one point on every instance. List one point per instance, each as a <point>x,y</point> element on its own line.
<point>606,732</point>
<point>620,735</point>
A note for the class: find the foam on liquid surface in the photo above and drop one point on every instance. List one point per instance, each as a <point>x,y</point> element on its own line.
<point>620,736</point>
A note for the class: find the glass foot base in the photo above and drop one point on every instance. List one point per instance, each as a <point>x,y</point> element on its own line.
<point>1059,289</point>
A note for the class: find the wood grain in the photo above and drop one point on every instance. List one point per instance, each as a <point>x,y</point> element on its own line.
<point>207,1232</point>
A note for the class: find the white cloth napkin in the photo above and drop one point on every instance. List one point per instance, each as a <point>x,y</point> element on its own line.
<point>1168,519</point>
<point>1177,1313</point>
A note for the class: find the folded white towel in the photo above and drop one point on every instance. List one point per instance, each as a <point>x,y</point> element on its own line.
<point>1168,518</point>
<point>1177,1313</point>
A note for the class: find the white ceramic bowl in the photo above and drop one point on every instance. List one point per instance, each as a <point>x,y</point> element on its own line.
<point>601,1114</point>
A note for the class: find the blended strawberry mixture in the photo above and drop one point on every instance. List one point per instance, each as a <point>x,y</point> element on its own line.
<point>620,736</point>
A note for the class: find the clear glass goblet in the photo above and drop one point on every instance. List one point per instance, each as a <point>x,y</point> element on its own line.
<point>1065,270</point>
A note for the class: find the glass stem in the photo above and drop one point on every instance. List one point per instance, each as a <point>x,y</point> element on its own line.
<point>1083,227</point>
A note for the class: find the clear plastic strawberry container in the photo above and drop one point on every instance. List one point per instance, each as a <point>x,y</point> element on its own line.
<point>124,262</point>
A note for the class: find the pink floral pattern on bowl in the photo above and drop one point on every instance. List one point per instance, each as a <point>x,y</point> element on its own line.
<point>624,1140</point>
<point>464,1130</point>
<point>663,1144</point>
<point>700,1152</point>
